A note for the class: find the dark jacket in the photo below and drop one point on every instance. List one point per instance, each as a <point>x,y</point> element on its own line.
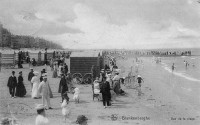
<point>63,85</point>
<point>105,90</point>
<point>12,81</point>
<point>30,75</point>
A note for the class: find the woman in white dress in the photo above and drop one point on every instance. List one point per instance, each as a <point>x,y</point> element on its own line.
<point>36,81</point>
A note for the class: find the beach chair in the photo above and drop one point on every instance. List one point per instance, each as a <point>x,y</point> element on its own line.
<point>93,94</point>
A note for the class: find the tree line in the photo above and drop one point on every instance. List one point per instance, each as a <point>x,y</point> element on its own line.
<point>9,40</point>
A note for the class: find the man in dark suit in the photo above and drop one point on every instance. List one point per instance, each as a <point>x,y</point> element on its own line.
<point>30,76</point>
<point>12,83</point>
<point>105,90</point>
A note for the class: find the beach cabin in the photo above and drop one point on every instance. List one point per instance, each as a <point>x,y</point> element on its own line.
<point>81,63</point>
<point>37,55</point>
<point>7,58</point>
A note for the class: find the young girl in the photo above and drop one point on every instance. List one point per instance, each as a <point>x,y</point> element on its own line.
<point>65,109</point>
<point>76,94</point>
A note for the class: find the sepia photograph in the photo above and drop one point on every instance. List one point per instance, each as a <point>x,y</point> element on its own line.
<point>99,62</point>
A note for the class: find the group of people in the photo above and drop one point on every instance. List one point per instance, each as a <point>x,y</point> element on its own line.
<point>16,86</point>
<point>58,69</point>
<point>108,85</point>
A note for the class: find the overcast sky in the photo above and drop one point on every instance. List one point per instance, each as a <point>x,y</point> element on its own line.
<point>94,24</point>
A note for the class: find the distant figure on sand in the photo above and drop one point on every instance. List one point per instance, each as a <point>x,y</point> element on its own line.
<point>140,80</point>
<point>20,89</point>
<point>36,81</point>
<point>65,108</point>
<point>105,90</point>
<point>12,83</point>
<point>173,67</point>
<point>55,70</point>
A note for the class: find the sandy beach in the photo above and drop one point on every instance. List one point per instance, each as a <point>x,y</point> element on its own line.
<point>162,102</point>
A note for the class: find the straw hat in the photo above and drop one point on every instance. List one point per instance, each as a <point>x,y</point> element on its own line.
<point>39,107</point>
<point>35,73</point>
<point>138,76</point>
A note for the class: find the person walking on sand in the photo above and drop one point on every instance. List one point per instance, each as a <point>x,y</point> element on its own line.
<point>44,91</point>
<point>139,80</point>
<point>12,83</point>
<point>41,118</point>
<point>105,90</point>
<point>63,86</point>
<point>30,76</point>
<point>36,81</point>
<point>20,89</point>
<point>173,67</point>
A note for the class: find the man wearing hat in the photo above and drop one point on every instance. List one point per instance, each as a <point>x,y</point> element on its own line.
<point>30,76</point>
<point>81,120</point>
<point>41,119</point>
<point>12,84</point>
<point>45,92</point>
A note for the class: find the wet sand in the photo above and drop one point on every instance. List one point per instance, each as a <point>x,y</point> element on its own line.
<point>161,103</point>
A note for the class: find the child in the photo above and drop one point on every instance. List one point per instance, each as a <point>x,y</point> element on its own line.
<point>76,94</point>
<point>82,120</point>
<point>65,109</point>
<point>41,119</point>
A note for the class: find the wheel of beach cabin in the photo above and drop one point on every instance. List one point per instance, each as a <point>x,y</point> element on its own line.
<point>77,78</point>
<point>87,78</point>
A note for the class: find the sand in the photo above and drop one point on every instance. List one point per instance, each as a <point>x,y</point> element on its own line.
<point>159,104</point>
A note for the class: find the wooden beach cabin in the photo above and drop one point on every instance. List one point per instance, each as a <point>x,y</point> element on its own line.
<point>81,64</point>
<point>36,54</point>
<point>7,58</point>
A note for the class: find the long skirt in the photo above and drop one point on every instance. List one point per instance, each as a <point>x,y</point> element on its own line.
<point>35,93</point>
<point>20,91</point>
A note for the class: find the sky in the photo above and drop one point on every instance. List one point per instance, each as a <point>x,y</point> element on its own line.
<point>106,24</point>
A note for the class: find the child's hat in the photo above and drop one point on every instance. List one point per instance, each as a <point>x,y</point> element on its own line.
<point>39,107</point>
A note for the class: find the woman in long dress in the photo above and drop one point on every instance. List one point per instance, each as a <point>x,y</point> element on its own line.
<point>55,68</point>
<point>20,90</point>
<point>36,81</point>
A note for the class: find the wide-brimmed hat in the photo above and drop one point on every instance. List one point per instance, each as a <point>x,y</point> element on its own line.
<point>81,119</point>
<point>117,70</point>
<point>138,76</point>
<point>44,75</point>
<point>35,73</point>
<point>39,107</point>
